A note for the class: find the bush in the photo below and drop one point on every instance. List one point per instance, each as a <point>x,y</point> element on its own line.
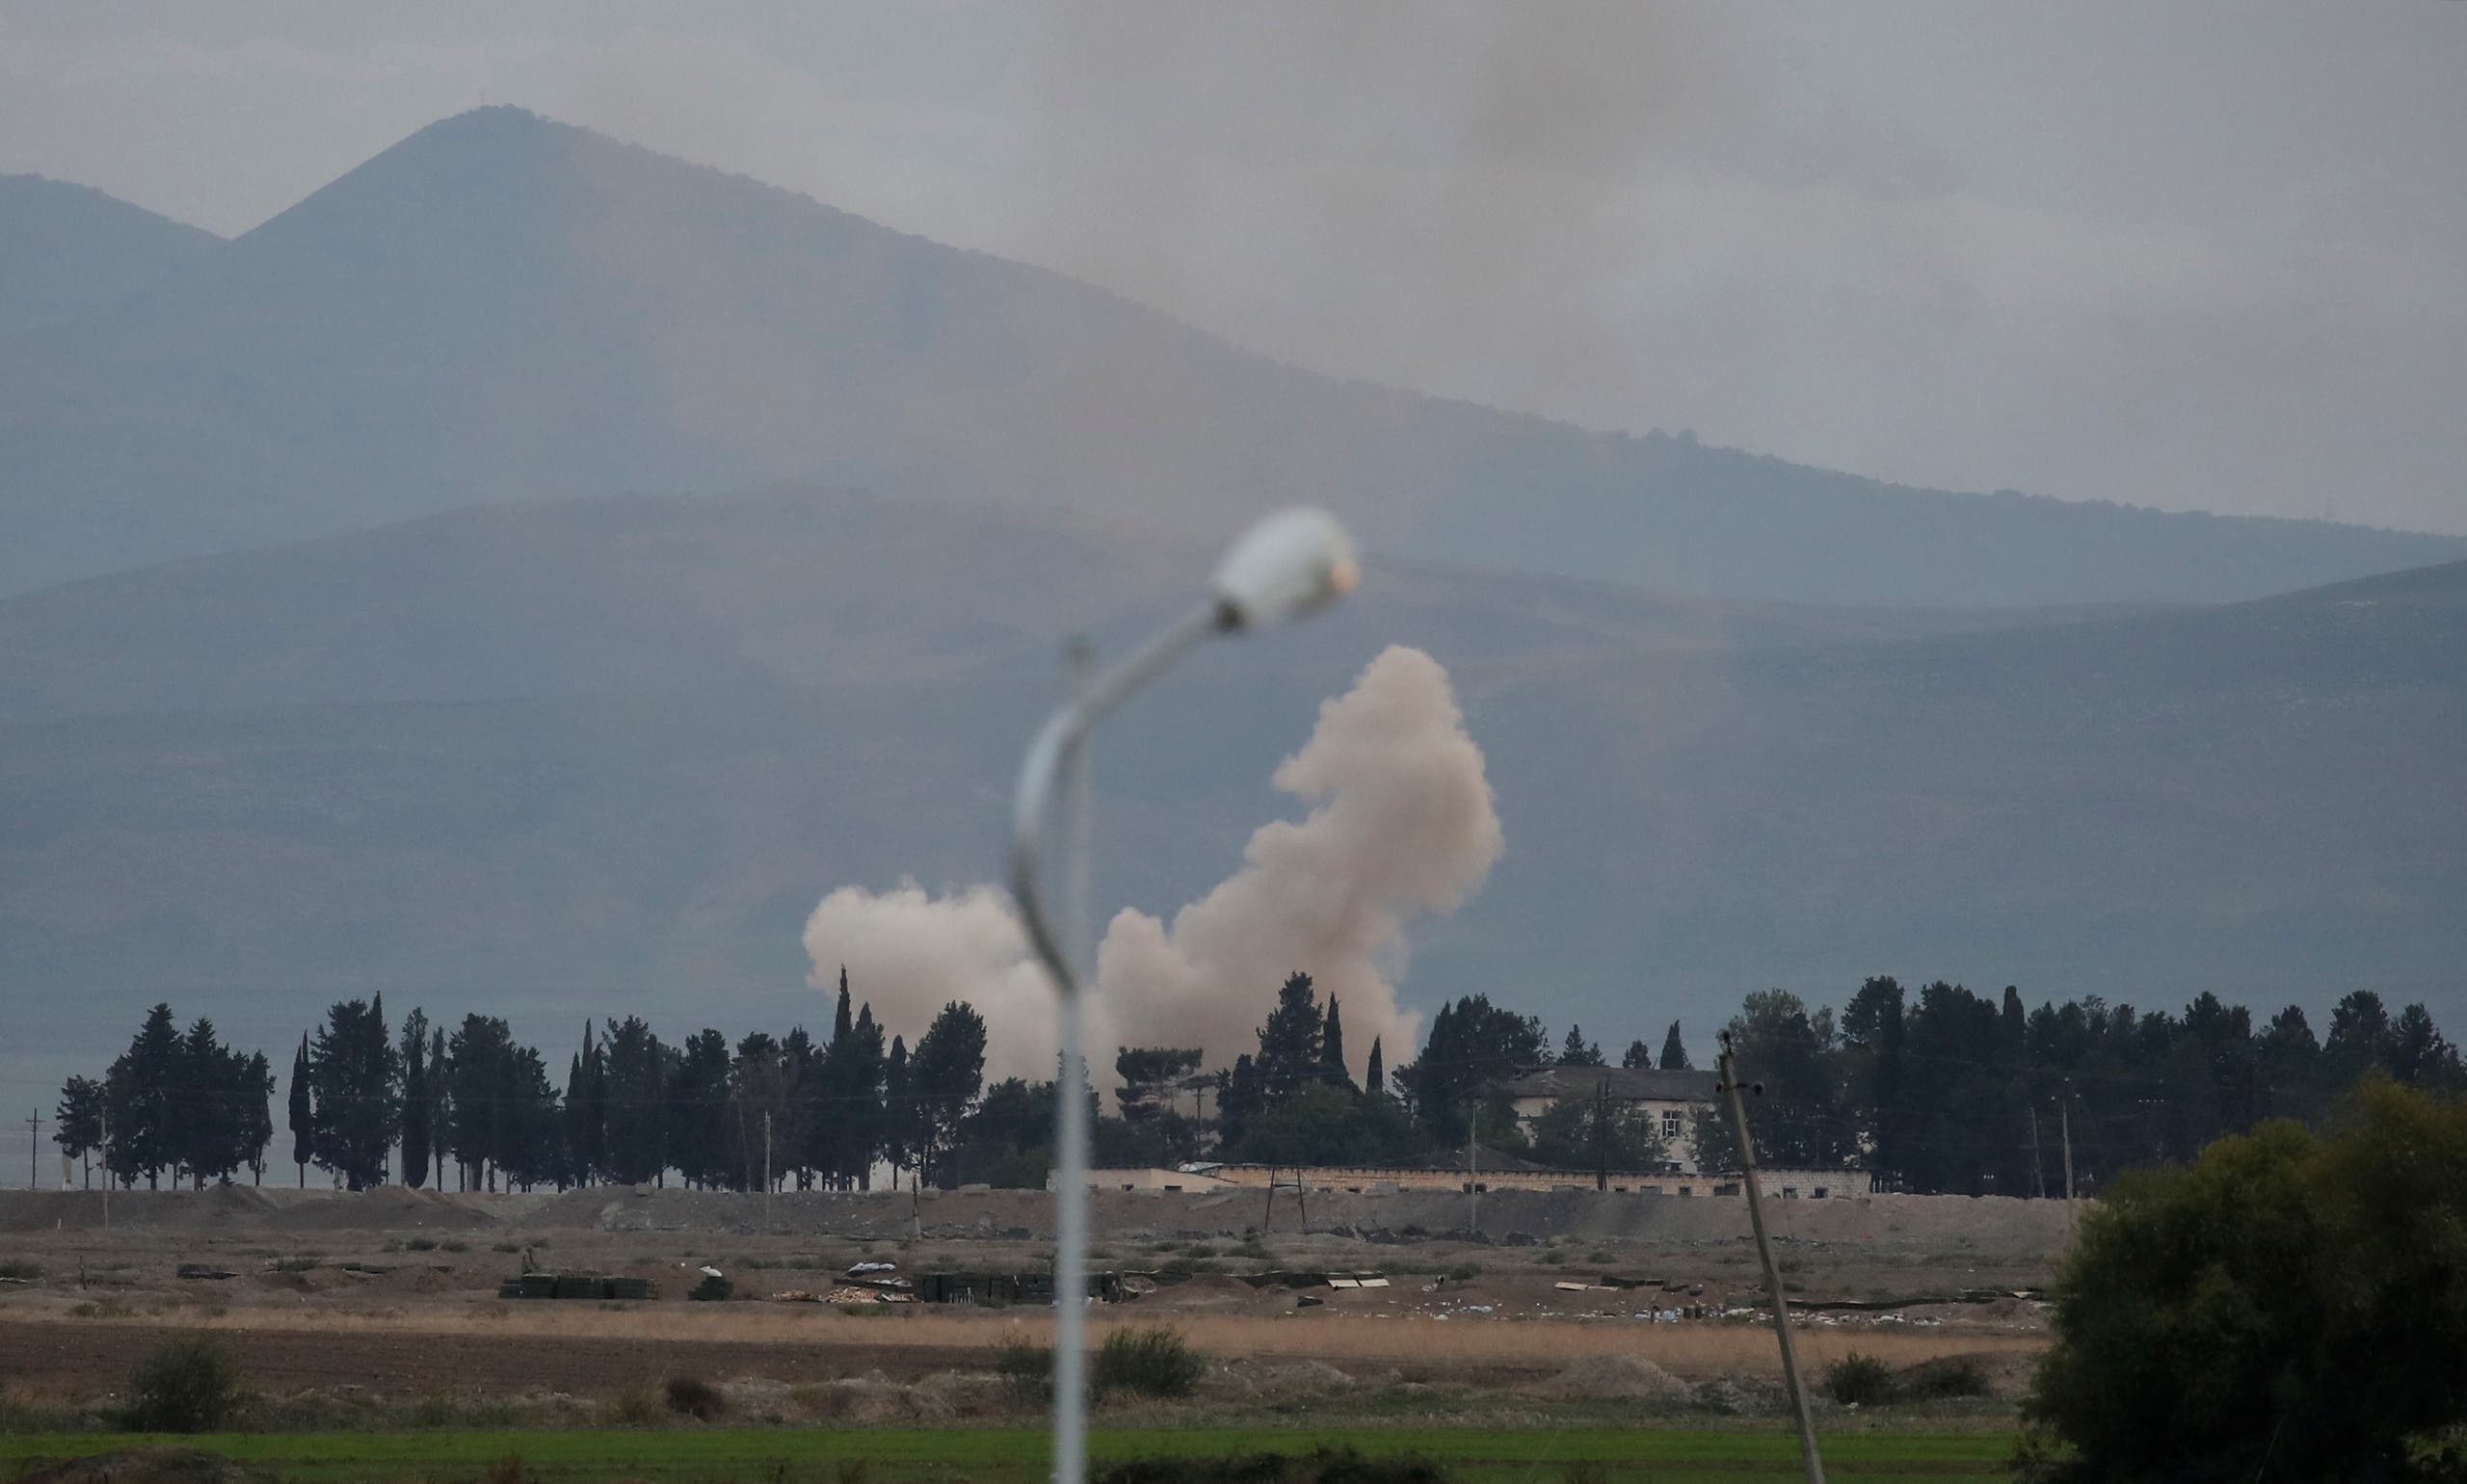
<point>1943,1379</point>
<point>300,1262</point>
<point>711,1290</point>
<point>455,1244</point>
<point>2287,1302</point>
<point>419,1244</point>
<point>635,1407</point>
<point>1026,1371</point>
<point>1155,1361</point>
<point>1322,1464</point>
<point>183,1386</point>
<point>696,1399</point>
<point>24,1272</point>
<point>1859,1381</point>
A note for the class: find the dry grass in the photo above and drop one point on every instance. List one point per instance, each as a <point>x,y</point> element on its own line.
<point>1689,1350</point>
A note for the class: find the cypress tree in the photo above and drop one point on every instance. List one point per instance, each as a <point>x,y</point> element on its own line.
<point>1332,1046</point>
<point>438,1105</point>
<point>417,1105</point>
<point>1674,1053</point>
<point>1374,1077</point>
<point>304,1114</point>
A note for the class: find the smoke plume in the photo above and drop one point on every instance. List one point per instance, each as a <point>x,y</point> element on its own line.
<point>1400,821</point>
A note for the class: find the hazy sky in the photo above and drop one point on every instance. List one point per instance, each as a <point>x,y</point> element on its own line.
<point>2198,256</point>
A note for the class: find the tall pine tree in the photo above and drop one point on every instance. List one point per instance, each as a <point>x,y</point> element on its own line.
<point>417,1105</point>
<point>1332,1046</point>
<point>303,1113</point>
<point>1374,1077</point>
<point>1674,1051</point>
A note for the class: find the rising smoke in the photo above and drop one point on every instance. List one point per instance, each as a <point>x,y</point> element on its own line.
<point>1401,822</point>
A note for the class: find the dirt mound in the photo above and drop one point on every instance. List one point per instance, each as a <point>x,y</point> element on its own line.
<point>1607,1377</point>
<point>383,1209</point>
<point>149,1466</point>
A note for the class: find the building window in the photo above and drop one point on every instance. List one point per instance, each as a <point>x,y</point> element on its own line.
<point>1789,1192</point>
<point>1686,1190</point>
<point>1820,1192</point>
<point>1669,1125</point>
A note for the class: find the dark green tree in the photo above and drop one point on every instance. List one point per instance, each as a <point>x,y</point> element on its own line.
<point>1674,1051</point>
<point>1637,1055</point>
<point>636,1102</point>
<point>1576,1051</point>
<point>355,1082</point>
<point>945,1074</point>
<point>1292,1042</point>
<point>78,1123</point>
<point>303,1113</point>
<point>1332,1047</point>
<point>2287,1305</point>
<point>137,1092</point>
<point>1374,1077</point>
<point>417,1103</point>
<point>1325,1124</point>
<point>1151,1076</point>
<point>701,1140</point>
<point>1474,1048</point>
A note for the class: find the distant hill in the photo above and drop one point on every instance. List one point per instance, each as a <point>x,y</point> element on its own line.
<point>502,307</point>
<point>66,249</point>
<point>569,755</point>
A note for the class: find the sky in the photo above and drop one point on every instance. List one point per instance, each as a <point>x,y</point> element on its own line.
<point>2203,256</point>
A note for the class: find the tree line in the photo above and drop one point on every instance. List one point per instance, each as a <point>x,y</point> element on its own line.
<point>1939,1091</point>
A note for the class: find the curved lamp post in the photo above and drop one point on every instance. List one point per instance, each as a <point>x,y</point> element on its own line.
<point>1290,564</point>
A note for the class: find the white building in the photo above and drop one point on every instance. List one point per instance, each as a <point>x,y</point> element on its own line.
<point>1671,1099</point>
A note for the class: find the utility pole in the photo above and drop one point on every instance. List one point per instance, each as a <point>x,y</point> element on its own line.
<point>2039,1170</point>
<point>2064,1115</point>
<point>1474,1165</point>
<point>107,1167</point>
<point>766,1167</point>
<point>1772,1275</point>
<point>33,1167</point>
<point>1602,1134</point>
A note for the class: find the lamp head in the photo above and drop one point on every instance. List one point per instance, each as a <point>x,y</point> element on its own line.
<point>1293,562</point>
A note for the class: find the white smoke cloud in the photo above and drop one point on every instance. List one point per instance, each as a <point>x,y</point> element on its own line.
<point>1401,822</point>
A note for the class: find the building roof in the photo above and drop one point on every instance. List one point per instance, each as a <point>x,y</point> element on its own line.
<point>1627,1084</point>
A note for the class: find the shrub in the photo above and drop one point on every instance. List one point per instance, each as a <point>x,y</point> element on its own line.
<point>300,1262</point>
<point>454,1244</point>
<point>1463,1271</point>
<point>711,1290</point>
<point>635,1407</point>
<point>505,1247</point>
<point>1859,1381</point>
<point>24,1272</point>
<point>1026,1371</point>
<point>183,1386</point>
<point>510,1470</point>
<point>696,1399</point>
<point>1322,1464</point>
<point>419,1244</point>
<point>1148,1362</point>
<point>1944,1378</point>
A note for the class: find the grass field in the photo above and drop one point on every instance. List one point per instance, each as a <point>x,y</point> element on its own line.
<point>1002,1455</point>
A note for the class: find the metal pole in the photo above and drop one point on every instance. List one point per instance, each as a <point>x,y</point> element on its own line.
<point>1473,1164</point>
<point>2038,1167</point>
<point>766,1167</point>
<point>1070,1211</point>
<point>34,1147</point>
<point>1772,1275</point>
<point>2064,1114</point>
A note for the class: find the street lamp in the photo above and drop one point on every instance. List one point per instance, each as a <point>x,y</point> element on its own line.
<point>1291,564</point>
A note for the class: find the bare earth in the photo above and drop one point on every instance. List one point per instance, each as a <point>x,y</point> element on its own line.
<point>1465,1309</point>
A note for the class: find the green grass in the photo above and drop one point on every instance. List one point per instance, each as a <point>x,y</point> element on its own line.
<point>895,1456</point>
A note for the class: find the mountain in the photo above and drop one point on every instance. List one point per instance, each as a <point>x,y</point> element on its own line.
<point>568,755</point>
<point>67,249</point>
<point>502,307</point>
